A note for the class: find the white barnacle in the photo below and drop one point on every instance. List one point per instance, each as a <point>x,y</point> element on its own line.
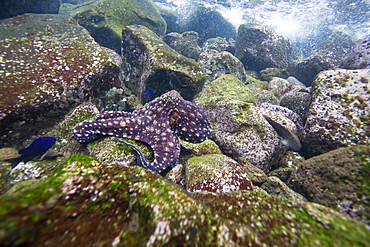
<point>123,123</point>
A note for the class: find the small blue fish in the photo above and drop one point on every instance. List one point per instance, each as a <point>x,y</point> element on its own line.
<point>149,95</point>
<point>37,148</point>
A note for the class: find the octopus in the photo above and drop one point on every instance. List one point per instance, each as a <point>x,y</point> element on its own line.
<point>158,123</point>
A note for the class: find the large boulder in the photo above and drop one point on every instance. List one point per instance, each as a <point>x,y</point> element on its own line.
<point>105,19</point>
<point>338,179</point>
<point>238,127</point>
<point>151,67</point>
<point>48,64</point>
<point>339,112</point>
<point>87,202</point>
<point>359,57</point>
<point>259,48</point>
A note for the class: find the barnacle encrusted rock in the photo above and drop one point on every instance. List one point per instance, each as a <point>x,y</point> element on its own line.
<point>238,126</point>
<point>215,173</point>
<point>217,63</point>
<point>105,19</point>
<point>86,202</point>
<point>150,64</point>
<point>48,64</point>
<point>339,113</point>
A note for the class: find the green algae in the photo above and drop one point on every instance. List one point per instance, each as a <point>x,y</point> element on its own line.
<point>105,19</point>
<point>225,87</point>
<point>93,202</point>
<point>152,64</point>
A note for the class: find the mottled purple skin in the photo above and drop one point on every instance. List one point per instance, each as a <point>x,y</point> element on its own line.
<point>156,123</point>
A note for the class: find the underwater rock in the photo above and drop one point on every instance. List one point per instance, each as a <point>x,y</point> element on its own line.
<point>8,153</point>
<point>298,102</point>
<point>329,56</point>
<point>278,86</point>
<point>10,8</point>
<point>105,19</point>
<point>219,44</point>
<point>186,43</point>
<point>48,64</point>
<point>265,96</point>
<point>208,23</point>
<point>240,130</point>
<point>259,48</point>
<point>150,65</point>
<point>274,186</point>
<point>269,73</point>
<point>225,87</point>
<point>215,173</point>
<point>338,179</point>
<point>216,63</point>
<point>89,202</point>
<point>85,202</point>
<point>339,112</point>
<point>359,57</point>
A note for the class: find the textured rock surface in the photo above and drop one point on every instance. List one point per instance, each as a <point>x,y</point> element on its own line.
<point>339,112</point>
<point>149,63</point>
<point>215,173</point>
<point>338,179</point>
<point>48,64</point>
<point>359,57</point>
<point>240,130</point>
<point>217,63</point>
<point>274,186</point>
<point>105,19</point>
<point>186,43</point>
<point>86,202</point>
<point>225,87</point>
<point>299,102</point>
<point>259,48</point>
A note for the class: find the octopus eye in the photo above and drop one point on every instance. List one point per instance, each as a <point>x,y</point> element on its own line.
<point>174,117</point>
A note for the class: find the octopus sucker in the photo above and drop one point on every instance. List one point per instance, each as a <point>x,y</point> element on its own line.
<point>157,123</point>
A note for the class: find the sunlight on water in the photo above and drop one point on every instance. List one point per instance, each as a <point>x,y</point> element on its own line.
<point>294,19</point>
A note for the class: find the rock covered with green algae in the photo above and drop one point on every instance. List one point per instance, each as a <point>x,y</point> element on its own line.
<point>215,173</point>
<point>48,64</point>
<point>105,19</point>
<point>338,179</point>
<point>225,87</point>
<point>86,202</point>
<point>149,63</point>
<point>339,114</point>
<point>241,131</point>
